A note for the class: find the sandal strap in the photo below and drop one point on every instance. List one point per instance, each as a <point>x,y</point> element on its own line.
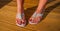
<point>39,14</point>
<point>20,15</point>
<point>34,15</point>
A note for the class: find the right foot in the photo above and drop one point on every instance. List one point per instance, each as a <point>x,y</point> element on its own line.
<point>20,20</point>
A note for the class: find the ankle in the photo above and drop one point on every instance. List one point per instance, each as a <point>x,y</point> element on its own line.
<point>39,11</point>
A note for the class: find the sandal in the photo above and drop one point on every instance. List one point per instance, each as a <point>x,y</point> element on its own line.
<point>35,19</point>
<point>20,20</point>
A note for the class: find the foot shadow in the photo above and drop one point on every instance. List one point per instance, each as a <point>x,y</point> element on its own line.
<point>30,11</point>
<point>49,9</point>
<point>4,2</point>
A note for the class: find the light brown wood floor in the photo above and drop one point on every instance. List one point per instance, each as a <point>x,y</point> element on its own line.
<point>50,21</point>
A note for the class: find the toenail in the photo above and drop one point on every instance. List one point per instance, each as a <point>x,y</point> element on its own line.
<point>30,19</point>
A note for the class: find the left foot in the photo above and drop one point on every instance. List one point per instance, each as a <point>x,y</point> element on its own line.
<point>35,18</point>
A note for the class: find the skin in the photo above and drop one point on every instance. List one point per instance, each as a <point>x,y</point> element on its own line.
<point>41,6</point>
<point>20,8</point>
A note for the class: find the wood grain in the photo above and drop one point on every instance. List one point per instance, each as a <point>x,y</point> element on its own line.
<point>50,21</point>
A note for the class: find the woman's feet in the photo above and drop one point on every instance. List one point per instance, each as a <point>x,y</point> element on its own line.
<point>35,18</point>
<point>20,20</point>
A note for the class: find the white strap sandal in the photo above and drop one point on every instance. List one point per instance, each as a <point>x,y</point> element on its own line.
<point>35,19</point>
<point>20,20</point>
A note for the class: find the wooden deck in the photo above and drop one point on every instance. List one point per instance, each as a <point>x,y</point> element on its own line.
<point>50,21</point>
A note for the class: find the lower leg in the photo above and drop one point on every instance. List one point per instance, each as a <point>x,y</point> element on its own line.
<point>41,6</point>
<point>36,17</point>
<point>20,6</point>
<point>20,18</point>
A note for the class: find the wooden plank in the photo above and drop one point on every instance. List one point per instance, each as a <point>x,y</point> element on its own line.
<point>51,21</point>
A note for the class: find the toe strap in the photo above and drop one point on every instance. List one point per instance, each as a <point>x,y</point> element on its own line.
<point>39,14</point>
